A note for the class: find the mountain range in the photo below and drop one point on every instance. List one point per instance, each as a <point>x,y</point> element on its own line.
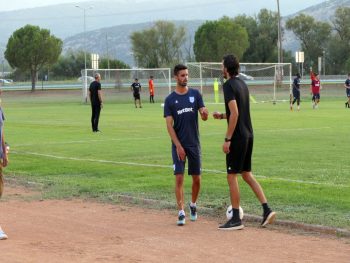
<point>109,24</point>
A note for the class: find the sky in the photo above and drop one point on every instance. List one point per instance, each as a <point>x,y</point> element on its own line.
<point>287,6</point>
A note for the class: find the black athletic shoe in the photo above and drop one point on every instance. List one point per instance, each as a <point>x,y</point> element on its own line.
<point>181,220</point>
<point>346,104</point>
<point>193,214</point>
<point>268,218</point>
<point>232,225</point>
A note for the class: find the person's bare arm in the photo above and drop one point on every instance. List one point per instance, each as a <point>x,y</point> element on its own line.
<point>179,149</point>
<point>231,125</point>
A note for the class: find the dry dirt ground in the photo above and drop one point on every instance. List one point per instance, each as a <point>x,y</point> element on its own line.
<point>87,231</point>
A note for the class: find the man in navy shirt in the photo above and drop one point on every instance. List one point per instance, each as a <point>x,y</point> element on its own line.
<point>181,109</point>
<point>136,88</point>
<point>296,92</point>
<point>347,89</point>
<point>238,143</point>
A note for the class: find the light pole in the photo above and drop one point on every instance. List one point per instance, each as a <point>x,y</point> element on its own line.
<point>324,63</point>
<point>85,73</point>
<point>3,68</point>
<point>279,45</point>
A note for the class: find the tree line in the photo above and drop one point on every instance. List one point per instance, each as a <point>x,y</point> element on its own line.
<point>34,51</point>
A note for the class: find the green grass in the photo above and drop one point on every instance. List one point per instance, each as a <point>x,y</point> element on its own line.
<point>300,158</point>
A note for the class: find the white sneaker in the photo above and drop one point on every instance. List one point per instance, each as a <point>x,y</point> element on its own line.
<point>3,235</point>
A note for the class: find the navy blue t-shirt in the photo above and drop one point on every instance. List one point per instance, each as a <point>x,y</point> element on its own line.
<point>347,83</point>
<point>296,83</point>
<point>184,110</point>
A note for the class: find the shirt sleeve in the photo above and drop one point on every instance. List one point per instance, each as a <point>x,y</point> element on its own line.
<point>99,86</point>
<point>167,109</point>
<point>200,100</point>
<point>228,92</point>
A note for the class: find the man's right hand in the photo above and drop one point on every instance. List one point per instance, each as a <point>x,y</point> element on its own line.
<point>217,115</point>
<point>181,154</point>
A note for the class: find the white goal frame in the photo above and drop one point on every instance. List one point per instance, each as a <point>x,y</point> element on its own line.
<point>87,73</point>
<point>277,79</point>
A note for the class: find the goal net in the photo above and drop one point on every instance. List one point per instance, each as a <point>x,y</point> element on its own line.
<point>116,83</point>
<point>267,82</point>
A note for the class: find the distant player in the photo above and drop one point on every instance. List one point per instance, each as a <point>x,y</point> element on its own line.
<point>151,89</point>
<point>238,143</point>
<point>181,109</point>
<point>315,89</point>
<point>95,95</point>
<point>136,88</point>
<point>347,89</point>
<point>296,92</point>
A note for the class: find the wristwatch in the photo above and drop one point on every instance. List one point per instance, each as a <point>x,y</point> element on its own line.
<point>227,140</point>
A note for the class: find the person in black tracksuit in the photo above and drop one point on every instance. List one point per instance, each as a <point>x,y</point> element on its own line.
<point>95,95</point>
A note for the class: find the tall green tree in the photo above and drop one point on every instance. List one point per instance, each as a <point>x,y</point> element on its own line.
<point>263,36</point>
<point>158,46</point>
<point>339,44</point>
<point>30,48</point>
<point>313,35</point>
<point>216,38</point>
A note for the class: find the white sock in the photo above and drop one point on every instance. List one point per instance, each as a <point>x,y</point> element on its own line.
<point>193,204</point>
<point>181,212</point>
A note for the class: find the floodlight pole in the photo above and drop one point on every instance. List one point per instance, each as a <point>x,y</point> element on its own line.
<point>279,45</point>
<point>85,72</point>
<point>3,68</point>
<point>324,63</point>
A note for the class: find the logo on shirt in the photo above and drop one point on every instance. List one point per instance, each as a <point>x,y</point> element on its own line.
<point>176,101</point>
<point>179,112</point>
<point>191,99</point>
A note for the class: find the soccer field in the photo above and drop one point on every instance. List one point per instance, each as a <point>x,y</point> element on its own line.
<point>300,158</point>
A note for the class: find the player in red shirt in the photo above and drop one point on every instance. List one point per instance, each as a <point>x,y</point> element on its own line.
<point>315,88</point>
<point>151,89</point>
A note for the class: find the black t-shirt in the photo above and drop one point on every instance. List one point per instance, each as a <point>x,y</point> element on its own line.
<point>95,86</point>
<point>136,86</point>
<point>236,89</point>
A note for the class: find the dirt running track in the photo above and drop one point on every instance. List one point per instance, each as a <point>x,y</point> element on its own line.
<point>80,231</point>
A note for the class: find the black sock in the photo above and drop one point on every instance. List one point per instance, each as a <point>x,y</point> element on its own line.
<point>266,207</point>
<point>235,214</point>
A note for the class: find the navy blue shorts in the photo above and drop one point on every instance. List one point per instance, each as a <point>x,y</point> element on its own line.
<point>348,92</point>
<point>193,156</point>
<point>296,94</point>
<point>239,159</point>
<point>316,96</point>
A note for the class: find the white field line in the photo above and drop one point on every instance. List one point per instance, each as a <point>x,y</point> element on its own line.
<point>296,129</point>
<point>168,167</point>
<point>161,137</point>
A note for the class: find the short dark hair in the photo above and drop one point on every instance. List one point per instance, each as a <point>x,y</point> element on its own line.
<point>136,79</point>
<point>178,68</point>
<point>151,77</point>
<point>298,75</point>
<point>231,63</point>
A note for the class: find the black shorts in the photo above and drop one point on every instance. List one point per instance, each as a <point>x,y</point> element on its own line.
<point>316,96</point>
<point>193,155</point>
<point>136,96</point>
<point>239,159</point>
